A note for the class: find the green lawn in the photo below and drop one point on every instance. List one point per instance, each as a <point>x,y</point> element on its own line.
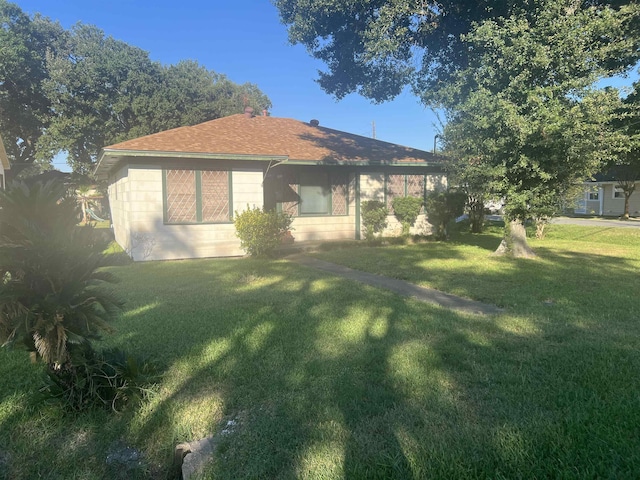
<point>326,378</point>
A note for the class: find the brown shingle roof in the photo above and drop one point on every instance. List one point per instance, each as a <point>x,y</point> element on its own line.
<point>269,136</point>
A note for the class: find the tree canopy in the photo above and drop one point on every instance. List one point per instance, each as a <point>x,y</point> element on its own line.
<point>525,109</point>
<point>515,80</point>
<point>377,47</point>
<point>25,110</point>
<point>78,90</point>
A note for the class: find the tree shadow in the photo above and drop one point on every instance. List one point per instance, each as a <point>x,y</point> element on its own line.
<point>322,376</point>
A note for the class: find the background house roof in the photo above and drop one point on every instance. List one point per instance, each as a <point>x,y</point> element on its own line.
<point>4,160</point>
<point>617,173</point>
<point>263,136</point>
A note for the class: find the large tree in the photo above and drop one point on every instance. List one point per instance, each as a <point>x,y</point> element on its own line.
<point>190,94</point>
<point>77,90</point>
<point>100,90</point>
<point>625,162</point>
<point>524,110</point>
<point>377,47</point>
<point>514,75</point>
<point>106,91</point>
<point>25,110</point>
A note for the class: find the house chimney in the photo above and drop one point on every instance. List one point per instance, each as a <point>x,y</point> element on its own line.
<point>314,123</point>
<point>264,112</point>
<point>248,112</point>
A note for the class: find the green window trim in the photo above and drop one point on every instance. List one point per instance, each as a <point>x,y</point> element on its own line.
<point>332,179</point>
<point>198,199</point>
<point>388,198</point>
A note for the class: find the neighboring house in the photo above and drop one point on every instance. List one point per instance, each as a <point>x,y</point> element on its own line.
<point>602,197</point>
<point>4,165</point>
<point>173,194</point>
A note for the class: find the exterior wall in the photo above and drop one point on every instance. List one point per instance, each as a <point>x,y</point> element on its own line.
<point>137,205</point>
<point>118,202</point>
<point>372,188</point>
<point>608,206</point>
<point>615,206</point>
<point>328,227</point>
<point>139,225</point>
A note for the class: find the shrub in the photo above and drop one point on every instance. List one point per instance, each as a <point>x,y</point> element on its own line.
<point>52,301</point>
<point>50,297</point>
<point>260,231</point>
<point>374,218</point>
<point>406,210</point>
<point>111,379</point>
<point>442,208</point>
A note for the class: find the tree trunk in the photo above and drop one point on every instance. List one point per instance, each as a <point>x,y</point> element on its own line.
<point>541,224</point>
<point>514,242</point>
<point>625,215</point>
<point>476,215</point>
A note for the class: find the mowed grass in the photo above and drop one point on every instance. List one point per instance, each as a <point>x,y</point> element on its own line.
<point>306,375</point>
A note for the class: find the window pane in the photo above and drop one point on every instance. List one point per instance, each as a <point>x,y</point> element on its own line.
<point>339,194</point>
<point>395,188</point>
<point>314,193</point>
<point>181,196</point>
<point>415,186</point>
<point>215,196</point>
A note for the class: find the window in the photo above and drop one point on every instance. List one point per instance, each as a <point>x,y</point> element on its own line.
<point>594,196</point>
<point>197,196</point>
<point>618,192</point>
<point>315,193</point>
<point>403,186</point>
<point>315,198</point>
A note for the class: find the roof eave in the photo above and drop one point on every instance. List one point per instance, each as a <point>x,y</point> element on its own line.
<point>104,164</point>
<point>366,163</point>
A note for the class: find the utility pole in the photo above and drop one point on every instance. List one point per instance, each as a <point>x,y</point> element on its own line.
<point>373,129</point>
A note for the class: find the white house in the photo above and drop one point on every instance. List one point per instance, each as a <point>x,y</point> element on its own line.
<point>173,194</point>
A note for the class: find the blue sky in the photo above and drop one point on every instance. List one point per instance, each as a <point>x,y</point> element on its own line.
<point>245,40</point>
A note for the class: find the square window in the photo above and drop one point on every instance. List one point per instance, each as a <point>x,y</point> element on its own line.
<point>594,196</point>
<point>618,192</point>
<point>194,196</point>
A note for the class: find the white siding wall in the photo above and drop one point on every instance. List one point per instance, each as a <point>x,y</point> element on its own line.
<point>247,190</point>
<point>139,225</point>
<point>615,206</point>
<point>372,188</point>
<point>339,227</point>
<point>136,199</point>
<point>118,193</point>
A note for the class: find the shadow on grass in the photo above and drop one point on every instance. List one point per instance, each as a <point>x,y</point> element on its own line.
<point>326,378</point>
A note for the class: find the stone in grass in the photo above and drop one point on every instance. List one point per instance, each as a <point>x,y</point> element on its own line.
<point>123,457</point>
<point>198,453</point>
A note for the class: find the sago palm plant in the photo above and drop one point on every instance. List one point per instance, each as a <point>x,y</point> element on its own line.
<point>52,293</point>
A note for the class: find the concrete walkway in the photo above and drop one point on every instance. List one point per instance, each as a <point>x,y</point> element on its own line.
<point>400,287</point>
